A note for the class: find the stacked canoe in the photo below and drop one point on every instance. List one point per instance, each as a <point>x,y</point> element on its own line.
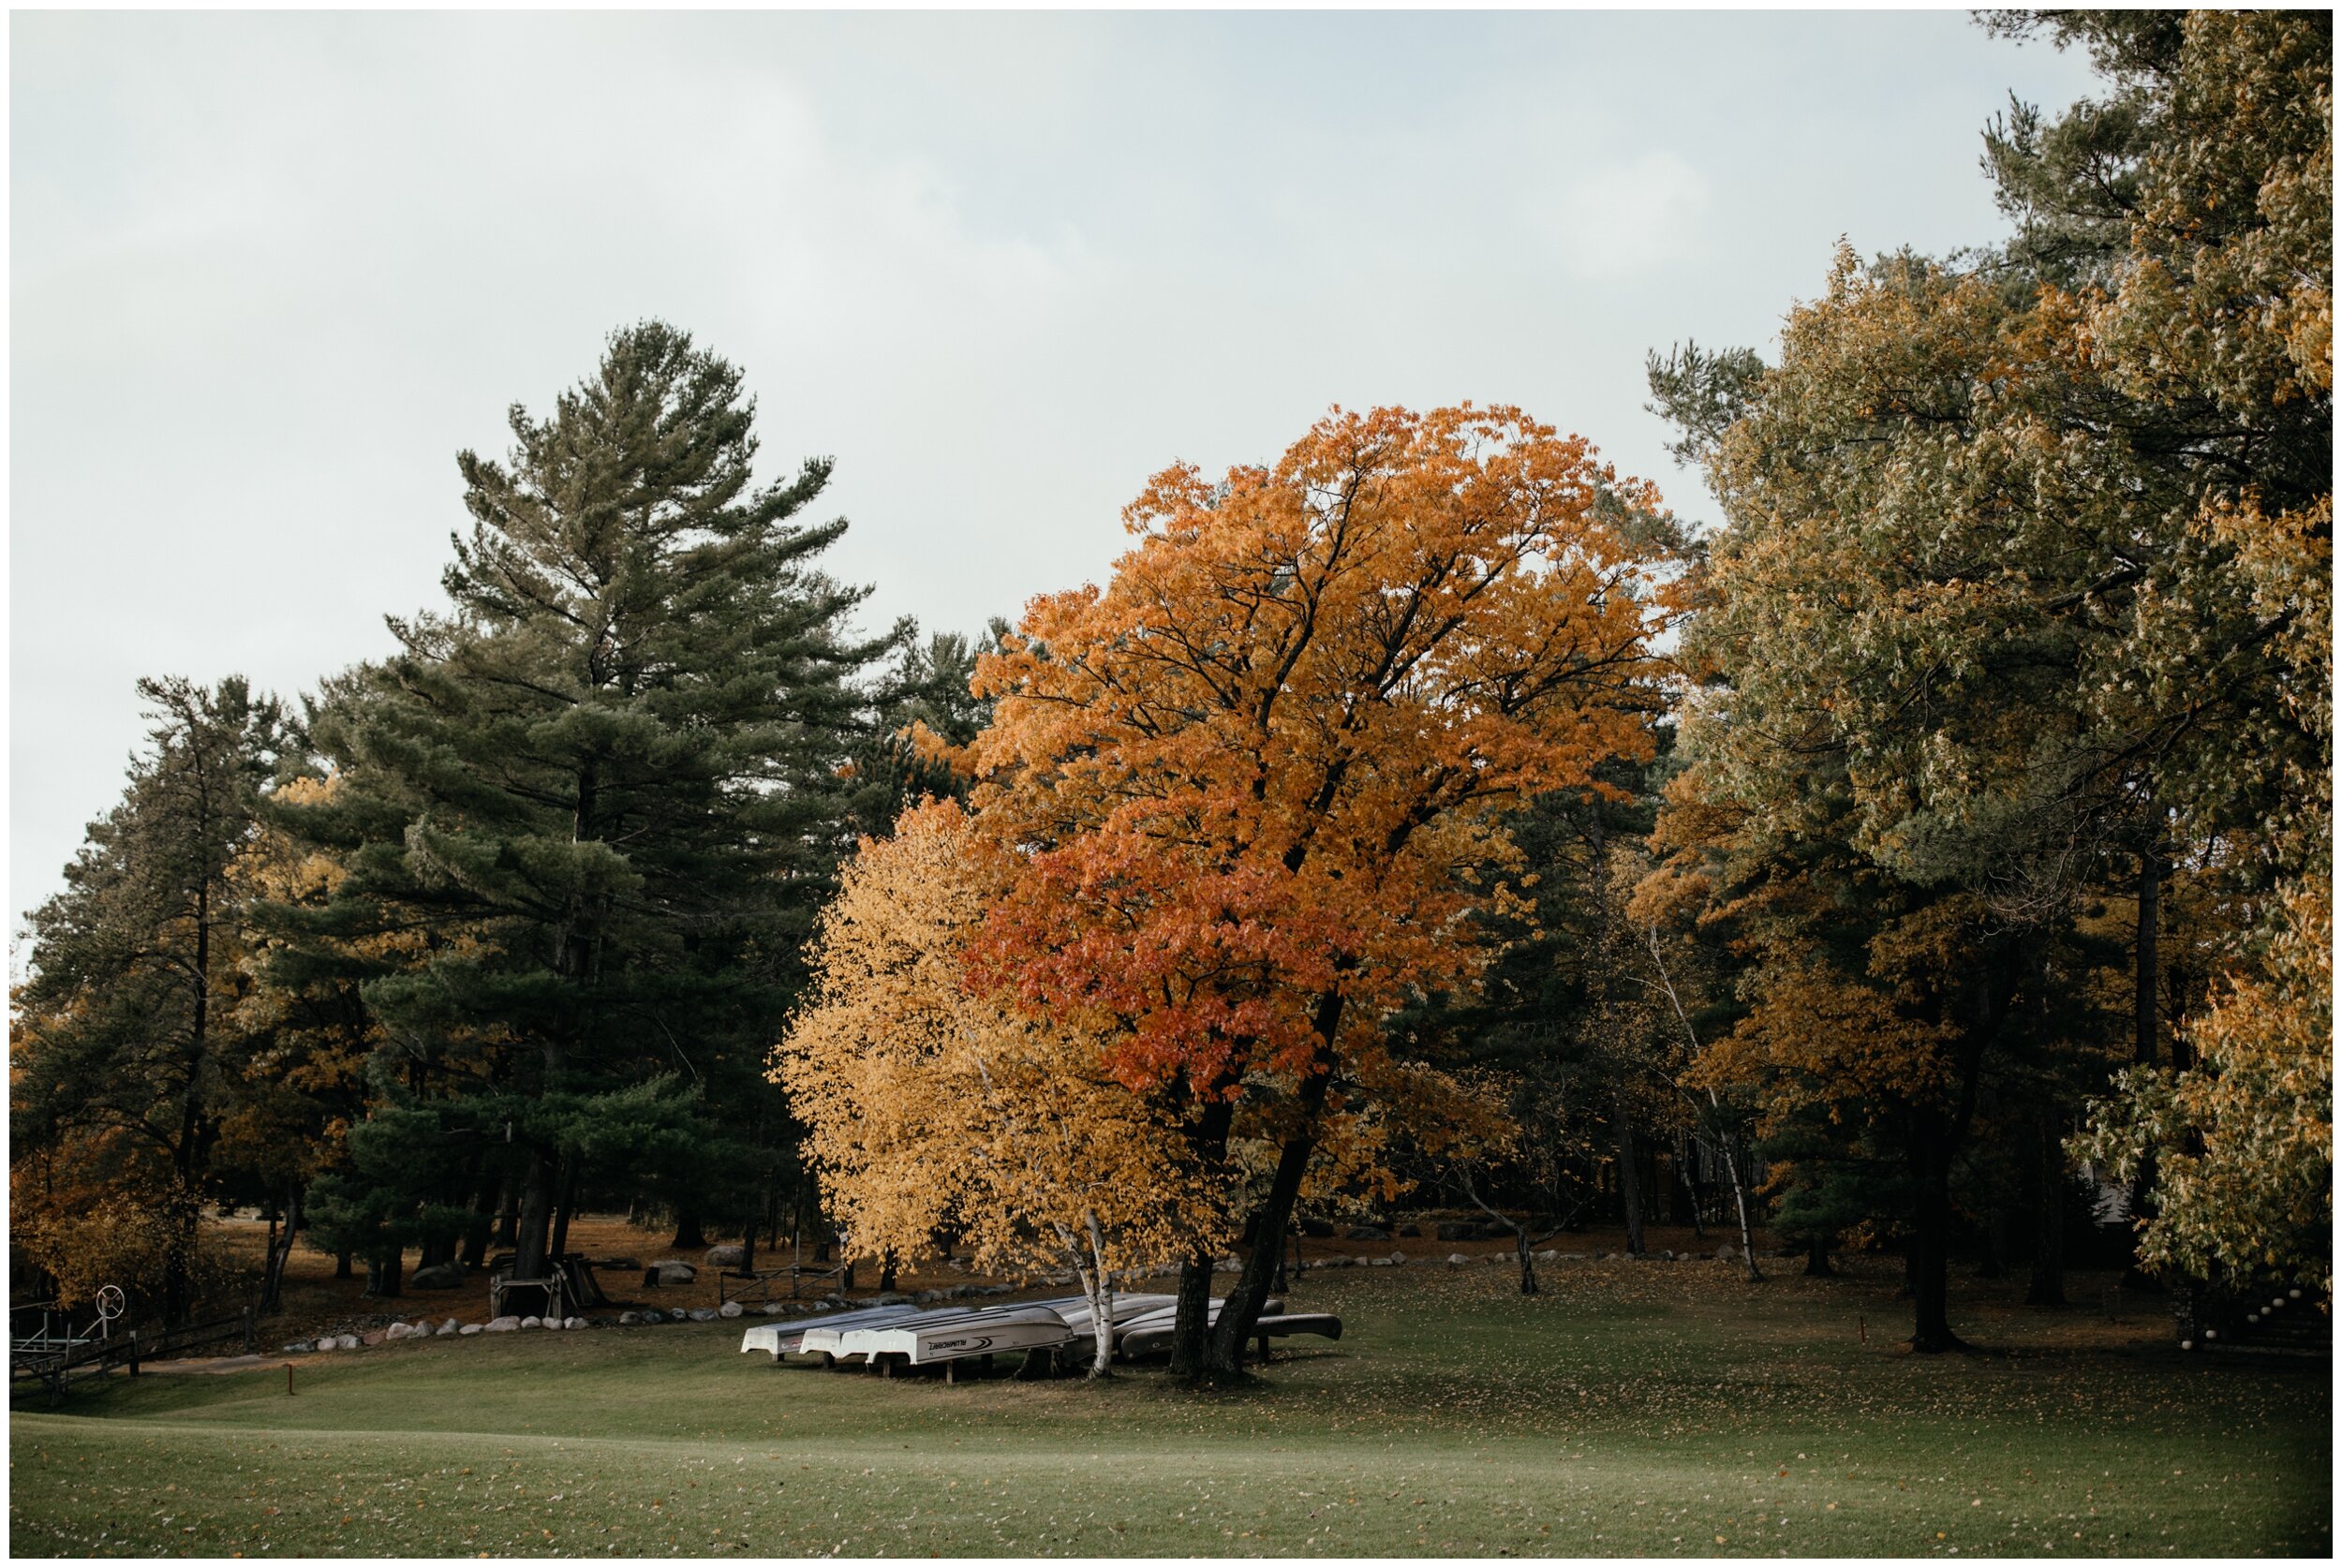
<point>914,1337</point>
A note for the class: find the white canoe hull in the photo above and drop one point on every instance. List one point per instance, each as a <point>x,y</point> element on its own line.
<point>956,1337</point>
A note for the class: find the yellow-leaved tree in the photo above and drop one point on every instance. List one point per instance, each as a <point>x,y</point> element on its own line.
<point>932,1111</point>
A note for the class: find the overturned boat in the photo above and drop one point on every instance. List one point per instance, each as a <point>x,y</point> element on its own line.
<point>932,1338</point>
<point>789,1338</point>
<point>1152,1335</point>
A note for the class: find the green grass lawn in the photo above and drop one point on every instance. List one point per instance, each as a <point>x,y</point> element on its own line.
<point>1633,1409</point>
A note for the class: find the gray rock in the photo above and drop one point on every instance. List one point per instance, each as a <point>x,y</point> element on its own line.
<point>1366,1233</point>
<point>396,1331</point>
<point>727,1256</point>
<point>730,1309</point>
<point>1318,1229</point>
<point>439,1277</point>
<point>532,1320</point>
<point>1410,1231</point>
<point>771,1307</point>
<point>703,1314</point>
<point>627,1319</point>
<point>681,1314</point>
<point>1457,1259</point>
<point>299,1347</point>
<point>669,1271</point>
<point>346,1342</point>
<point>473,1328</point>
<point>1397,1258</point>
<point>1380,1263</point>
<point>573,1323</point>
<point>504,1324</point>
<point>891,1298</point>
<point>450,1326</point>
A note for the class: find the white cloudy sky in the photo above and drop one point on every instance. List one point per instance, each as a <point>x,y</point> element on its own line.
<point>270,272</point>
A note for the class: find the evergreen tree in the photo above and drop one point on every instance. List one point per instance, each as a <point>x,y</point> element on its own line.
<point>607,785</point>
<point>118,1072</point>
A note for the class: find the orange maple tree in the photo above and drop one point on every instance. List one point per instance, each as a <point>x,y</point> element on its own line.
<point>1242,782</point>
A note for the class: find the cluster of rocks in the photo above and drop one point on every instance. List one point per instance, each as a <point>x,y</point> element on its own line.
<point>422,1328</point>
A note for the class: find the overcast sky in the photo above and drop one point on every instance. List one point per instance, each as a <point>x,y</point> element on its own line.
<point>269,272</point>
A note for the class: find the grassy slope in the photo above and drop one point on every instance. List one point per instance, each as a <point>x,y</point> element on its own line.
<point>1644,1408</point>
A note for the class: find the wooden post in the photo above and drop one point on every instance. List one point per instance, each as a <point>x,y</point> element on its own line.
<point>287,1380</point>
<point>134,1353</point>
<point>951,1372</point>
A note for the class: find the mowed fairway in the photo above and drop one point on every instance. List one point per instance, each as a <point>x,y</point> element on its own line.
<point>1633,1409</point>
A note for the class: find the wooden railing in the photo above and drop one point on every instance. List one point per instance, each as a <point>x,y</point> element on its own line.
<point>56,1362</point>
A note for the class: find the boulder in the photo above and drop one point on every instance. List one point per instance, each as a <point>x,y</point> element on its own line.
<point>730,1309</point>
<point>1411,1230</point>
<point>396,1331</point>
<point>450,1326</point>
<point>669,1271</point>
<point>472,1328</point>
<point>703,1314</point>
<point>681,1314</point>
<point>346,1342</point>
<point>504,1324</point>
<point>1319,1229</point>
<point>1548,1255</point>
<point>299,1347</point>
<point>1397,1258</point>
<point>374,1337</point>
<point>627,1319</point>
<point>573,1323</point>
<point>1380,1263</point>
<point>771,1307</point>
<point>439,1277</point>
<point>532,1320</point>
<point>726,1256</point>
<point>1457,1259</point>
<point>1366,1233</point>
<point>892,1298</point>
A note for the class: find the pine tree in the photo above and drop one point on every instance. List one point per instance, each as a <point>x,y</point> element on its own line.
<point>608,780</point>
<point>117,1066</point>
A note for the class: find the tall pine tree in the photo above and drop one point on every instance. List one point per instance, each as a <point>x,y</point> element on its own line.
<point>611,772</point>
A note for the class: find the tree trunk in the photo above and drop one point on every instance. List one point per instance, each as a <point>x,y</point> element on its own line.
<point>272,1296</point>
<point>342,1270</point>
<point>476,1230</point>
<point>536,1223</point>
<point>1191,1328</point>
<point>1931,1241</point>
<point>1098,1284</point>
<point>1629,1178</point>
<point>1528,1264</point>
<point>567,1206</point>
<point>1740,1207</point>
<point>1191,1318</point>
<point>888,1263</point>
<point>686,1230</point>
<point>2144,1008</point>
<point>2047,1285</point>
<point>1818,1257</point>
<point>1691,1194</point>
<point>1246,1297</point>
